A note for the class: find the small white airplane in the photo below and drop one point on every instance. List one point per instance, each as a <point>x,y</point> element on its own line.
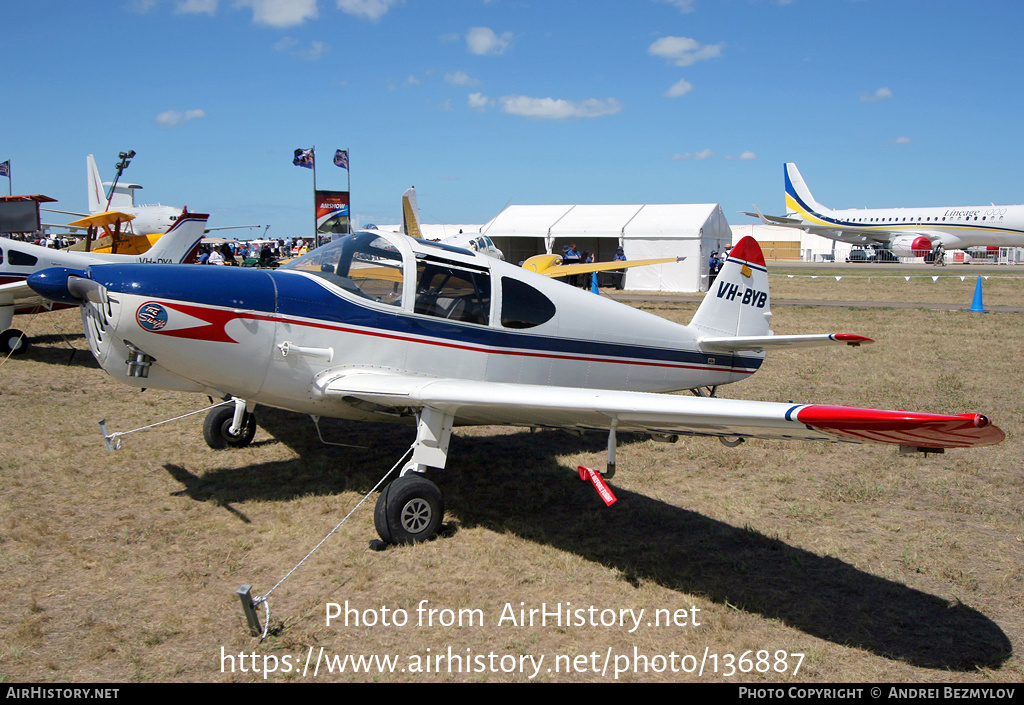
<point>380,326</point>
<point>548,265</point>
<point>147,220</point>
<point>907,232</point>
<point>468,241</point>
<point>18,260</point>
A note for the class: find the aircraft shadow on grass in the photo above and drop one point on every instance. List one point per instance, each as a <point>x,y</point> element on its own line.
<point>514,483</point>
<point>63,348</point>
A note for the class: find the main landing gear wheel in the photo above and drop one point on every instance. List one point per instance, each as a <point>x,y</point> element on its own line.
<point>409,510</point>
<point>217,429</point>
<point>13,342</point>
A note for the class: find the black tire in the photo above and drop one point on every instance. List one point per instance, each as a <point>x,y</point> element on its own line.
<point>13,342</point>
<point>409,510</point>
<point>217,429</point>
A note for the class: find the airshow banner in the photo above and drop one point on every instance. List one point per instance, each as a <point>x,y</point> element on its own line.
<point>332,212</point>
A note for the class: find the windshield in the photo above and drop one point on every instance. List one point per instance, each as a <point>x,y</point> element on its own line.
<point>363,263</point>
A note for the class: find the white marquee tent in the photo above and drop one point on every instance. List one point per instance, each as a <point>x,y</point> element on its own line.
<point>648,231</point>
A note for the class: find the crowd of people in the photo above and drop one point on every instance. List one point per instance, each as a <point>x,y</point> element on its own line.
<point>571,255</point>
<point>253,253</point>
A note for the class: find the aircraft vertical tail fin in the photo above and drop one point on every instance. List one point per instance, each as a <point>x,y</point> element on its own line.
<point>411,214</point>
<point>97,196</point>
<point>122,197</point>
<point>180,242</point>
<point>798,197</point>
<point>737,303</point>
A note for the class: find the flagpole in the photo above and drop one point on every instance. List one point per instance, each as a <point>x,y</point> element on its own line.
<point>348,175</point>
<point>316,234</point>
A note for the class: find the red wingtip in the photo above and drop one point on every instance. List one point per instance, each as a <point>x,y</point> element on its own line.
<point>748,250</point>
<point>903,427</point>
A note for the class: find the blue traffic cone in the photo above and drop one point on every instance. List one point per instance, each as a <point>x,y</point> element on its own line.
<point>977,305</point>
<point>593,283</point>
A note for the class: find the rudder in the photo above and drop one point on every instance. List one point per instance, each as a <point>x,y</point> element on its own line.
<point>738,303</point>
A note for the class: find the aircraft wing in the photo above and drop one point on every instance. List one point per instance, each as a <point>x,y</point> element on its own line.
<point>846,233</point>
<point>483,403</point>
<point>546,265</point>
<point>13,291</point>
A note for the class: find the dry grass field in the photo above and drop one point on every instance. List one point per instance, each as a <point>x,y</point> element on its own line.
<point>766,563</point>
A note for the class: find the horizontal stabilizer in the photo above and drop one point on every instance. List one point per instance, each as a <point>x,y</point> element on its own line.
<point>774,219</point>
<point>760,343</point>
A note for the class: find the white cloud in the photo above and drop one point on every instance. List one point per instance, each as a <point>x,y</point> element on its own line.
<point>280,13</point>
<point>196,7</point>
<point>699,156</point>
<point>748,156</point>
<point>313,52</point>
<point>902,140</point>
<point>482,41</point>
<point>552,109</point>
<point>460,78</point>
<point>679,89</point>
<point>173,118</point>
<point>683,51</point>
<point>683,5</point>
<point>368,9</point>
<point>140,6</point>
<point>880,94</point>
<point>478,102</point>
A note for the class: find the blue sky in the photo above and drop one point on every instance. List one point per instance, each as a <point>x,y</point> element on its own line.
<point>479,103</point>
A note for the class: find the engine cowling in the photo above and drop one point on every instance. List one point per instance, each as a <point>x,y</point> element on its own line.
<point>911,246</point>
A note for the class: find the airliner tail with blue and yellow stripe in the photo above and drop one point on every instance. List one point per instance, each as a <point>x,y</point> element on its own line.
<point>906,231</point>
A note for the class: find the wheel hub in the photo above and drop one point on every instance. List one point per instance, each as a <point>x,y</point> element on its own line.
<point>415,515</point>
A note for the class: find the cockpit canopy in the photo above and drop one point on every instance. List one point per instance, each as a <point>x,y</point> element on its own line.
<point>363,263</point>
<point>450,282</point>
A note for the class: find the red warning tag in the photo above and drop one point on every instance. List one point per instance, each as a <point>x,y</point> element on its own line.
<point>599,484</point>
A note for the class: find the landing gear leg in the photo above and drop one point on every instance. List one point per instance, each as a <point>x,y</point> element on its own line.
<point>411,508</point>
<point>612,443</point>
<point>230,426</point>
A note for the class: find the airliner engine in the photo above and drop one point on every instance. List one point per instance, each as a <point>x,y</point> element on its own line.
<point>910,246</point>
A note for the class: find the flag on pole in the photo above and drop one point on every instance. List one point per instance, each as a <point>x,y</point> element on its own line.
<point>341,158</point>
<point>303,157</point>
<point>5,169</point>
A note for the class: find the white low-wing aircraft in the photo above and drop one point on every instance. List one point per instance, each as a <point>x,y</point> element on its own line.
<point>908,232</point>
<point>146,219</point>
<point>380,326</point>
<point>18,260</point>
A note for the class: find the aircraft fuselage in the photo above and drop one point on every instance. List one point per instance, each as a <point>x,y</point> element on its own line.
<point>398,305</point>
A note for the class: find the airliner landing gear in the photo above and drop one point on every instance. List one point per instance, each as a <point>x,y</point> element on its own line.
<point>217,429</point>
<point>13,342</point>
<point>409,510</point>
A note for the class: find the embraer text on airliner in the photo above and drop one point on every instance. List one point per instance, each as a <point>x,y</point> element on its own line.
<point>543,615</point>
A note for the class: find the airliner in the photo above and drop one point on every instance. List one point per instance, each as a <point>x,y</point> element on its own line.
<point>907,232</point>
<point>152,219</point>
<point>148,219</point>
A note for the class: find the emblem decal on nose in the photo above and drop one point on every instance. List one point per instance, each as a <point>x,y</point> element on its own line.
<point>151,316</point>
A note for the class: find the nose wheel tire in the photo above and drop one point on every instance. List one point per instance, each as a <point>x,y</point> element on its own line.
<point>13,342</point>
<point>409,510</point>
<point>217,429</point>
